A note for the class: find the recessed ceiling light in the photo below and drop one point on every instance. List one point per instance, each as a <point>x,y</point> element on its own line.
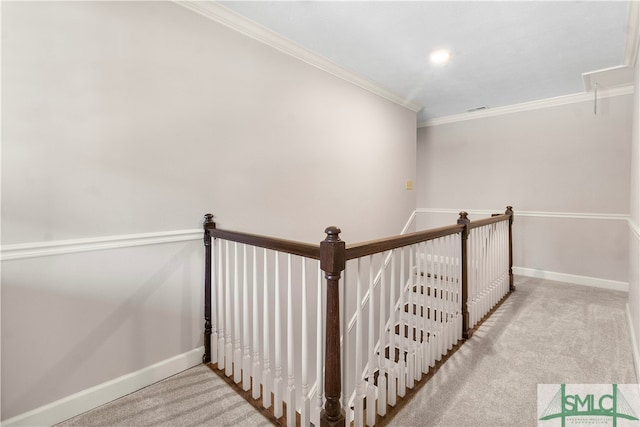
<point>440,56</point>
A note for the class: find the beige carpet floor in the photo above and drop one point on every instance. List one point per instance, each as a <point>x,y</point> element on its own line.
<point>546,332</point>
<point>195,397</point>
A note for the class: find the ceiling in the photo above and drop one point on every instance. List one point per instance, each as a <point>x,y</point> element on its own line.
<point>503,53</point>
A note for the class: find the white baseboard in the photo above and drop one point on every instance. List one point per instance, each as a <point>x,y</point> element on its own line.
<point>634,343</point>
<point>572,278</point>
<point>93,397</point>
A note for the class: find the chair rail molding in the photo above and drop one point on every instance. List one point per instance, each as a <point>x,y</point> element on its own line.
<point>538,214</point>
<point>554,275</point>
<point>61,247</point>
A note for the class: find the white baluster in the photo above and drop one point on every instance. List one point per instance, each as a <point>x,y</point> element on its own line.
<point>266,338</point>
<point>451,286</point>
<point>359,400</point>
<point>222,308</point>
<point>277,382</point>
<point>402,375</point>
<point>392,372</point>
<point>319,347</point>
<point>473,287</point>
<point>411,355</point>
<point>246,339</point>
<point>382,361</point>
<point>255,391</point>
<point>371,390</point>
<point>345,348</point>
<point>291,387</point>
<point>228,368</point>
<point>305,408</point>
<point>440,300</point>
<point>459,282</point>
<point>423,277</point>
<point>237,350</point>
<point>214,286</point>
<point>432,305</point>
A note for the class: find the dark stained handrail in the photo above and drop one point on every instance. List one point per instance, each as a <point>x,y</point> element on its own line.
<point>355,250</point>
<point>371,247</point>
<point>281,245</point>
<point>491,220</point>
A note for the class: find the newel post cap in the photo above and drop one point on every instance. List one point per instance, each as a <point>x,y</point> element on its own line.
<point>208,222</point>
<point>332,252</point>
<point>333,233</point>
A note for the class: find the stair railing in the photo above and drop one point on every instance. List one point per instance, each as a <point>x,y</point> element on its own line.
<point>435,289</point>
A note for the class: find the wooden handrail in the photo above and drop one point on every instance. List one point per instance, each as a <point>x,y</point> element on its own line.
<point>491,220</point>
<point>281,245</point>
<point>382,245</point>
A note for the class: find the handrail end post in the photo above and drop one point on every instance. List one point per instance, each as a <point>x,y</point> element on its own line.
<point>465,221</point>
<point>509,211</point>
<point>208,224</point>
<point>332,262</point>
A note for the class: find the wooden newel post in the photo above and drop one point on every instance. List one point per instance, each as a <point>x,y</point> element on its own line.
<point>509,212</point>
<point>332,262</point>
<point>464,220</point>
<point>208,224</point>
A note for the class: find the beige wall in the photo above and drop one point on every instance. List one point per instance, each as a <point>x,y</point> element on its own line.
<point>135,117</point>
<point>560,159</point>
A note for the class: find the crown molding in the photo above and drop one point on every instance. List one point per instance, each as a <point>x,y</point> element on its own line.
<point>222,15</point>
<point>528,106</point>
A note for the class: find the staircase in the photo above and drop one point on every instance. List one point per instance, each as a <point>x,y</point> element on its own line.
<point>347,349</point>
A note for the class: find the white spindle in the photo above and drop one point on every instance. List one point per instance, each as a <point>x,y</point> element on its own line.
<point>345,348</point>
<point>371,391</point>
<point>450,310</point>
<point>277,382</point>
<point>319,347</point>
<point>359,402</point>
<point>424,286</point>
<point>402,376</point>
<point>411,349</point>
<point>246,339</point>
<point>237,350</point>
<point>415,298</point>
<point>255,391</point>
<point>432,306</point>
<point>221,309</point>
<point>305,408</point>
<point>228,369</point>
<point>438,301</point>
<point>393,371</point>
<point>266,338</point>
<point>382,379</point>
<point>291,388</point>
<point>214,285</point>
